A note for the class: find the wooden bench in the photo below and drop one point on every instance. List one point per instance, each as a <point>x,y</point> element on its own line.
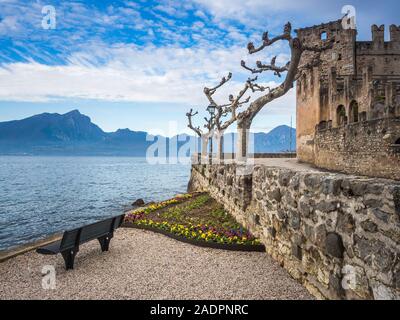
<point>68,246</point>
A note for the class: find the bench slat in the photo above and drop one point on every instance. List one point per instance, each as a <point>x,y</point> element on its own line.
<point>52,248</point>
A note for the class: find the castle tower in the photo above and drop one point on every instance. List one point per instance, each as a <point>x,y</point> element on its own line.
<point>348,107</point>
<point>314,102</point>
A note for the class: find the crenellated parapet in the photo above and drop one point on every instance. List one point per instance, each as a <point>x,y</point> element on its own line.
<point>378,37</point>
<point>395,36</point>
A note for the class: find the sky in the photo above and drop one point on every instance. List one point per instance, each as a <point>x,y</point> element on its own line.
<point>143,64</point>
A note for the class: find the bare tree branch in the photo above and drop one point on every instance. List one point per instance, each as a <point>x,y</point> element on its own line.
<point>190,115</point>
<point>266,67</point>
<point>209,92</point>
<point>287,31</point>
<point>293,70</point>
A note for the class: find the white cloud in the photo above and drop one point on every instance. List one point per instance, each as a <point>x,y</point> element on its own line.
<point>131,73</point>
<point>8,24</point>
<point>253,12</point>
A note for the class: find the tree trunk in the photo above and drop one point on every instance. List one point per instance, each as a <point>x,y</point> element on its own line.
<point>220,147</point>
<point>210,155</point>
<point>204,146</point>
<point>243,130</point>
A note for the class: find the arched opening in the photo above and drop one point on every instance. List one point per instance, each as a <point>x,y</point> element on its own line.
<point>353,112</point>
<point>340,115</point>
<point>397,142</point>
<point>324,36</point>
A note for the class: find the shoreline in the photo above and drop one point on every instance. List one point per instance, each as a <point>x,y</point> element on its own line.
<point>25,248</point>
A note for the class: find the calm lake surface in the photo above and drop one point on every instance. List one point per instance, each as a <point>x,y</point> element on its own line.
<point>40,196</point>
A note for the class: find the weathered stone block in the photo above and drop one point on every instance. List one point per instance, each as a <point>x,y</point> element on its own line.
<point>304,206</point>
<point>294,219</point>
<point>327,206</point>
<point>381,215</point>
<point>382,292</point>
<point>334,245</point>
<point>345,223</point>
<point>275,194</point>
<point>373,203</point>
<point>335,286</point>
<point>312,181</point>
<point>375,188</point>
<point>284,178</point>
<point>369,226</point>
<point>281,214</point>
<point>290,200</point>
<point>331,186</point>
<point>375,253</point>
<point>358,188</point>
<point>295,182</point>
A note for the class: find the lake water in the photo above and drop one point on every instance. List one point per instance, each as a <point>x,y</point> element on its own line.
<point>40,196</point>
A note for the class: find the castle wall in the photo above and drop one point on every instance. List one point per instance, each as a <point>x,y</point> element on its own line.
<point>383,57</point>
<point>313,94</point>
<point>338,235</point>
<point>364,148</point>
<point>355,82</point>
<point>307,108</point>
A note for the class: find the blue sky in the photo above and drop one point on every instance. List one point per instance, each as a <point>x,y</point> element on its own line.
<point>143,64</point>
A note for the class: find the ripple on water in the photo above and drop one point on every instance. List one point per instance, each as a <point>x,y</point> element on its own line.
<point>45,195</point>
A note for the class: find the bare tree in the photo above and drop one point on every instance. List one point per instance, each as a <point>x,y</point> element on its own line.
<point>293,70</point>
<point>222,110</point>
<point>204,135</point>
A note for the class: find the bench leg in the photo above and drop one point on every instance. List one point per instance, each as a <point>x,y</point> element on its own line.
<point>105,242</point>
<point>69,258</point>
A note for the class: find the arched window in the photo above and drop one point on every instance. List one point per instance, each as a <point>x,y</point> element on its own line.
<point>353,111</point>
<point>324,36</point>
<point>340,115</point>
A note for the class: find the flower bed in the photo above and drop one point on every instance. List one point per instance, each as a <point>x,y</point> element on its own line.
<point>196,218</point>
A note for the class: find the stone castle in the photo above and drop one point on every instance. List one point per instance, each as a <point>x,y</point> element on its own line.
<point>337,233</point>
<point>348,108</point>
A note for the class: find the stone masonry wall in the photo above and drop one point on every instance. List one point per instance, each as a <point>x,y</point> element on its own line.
<point>364,148</point>
<point>325,229</point>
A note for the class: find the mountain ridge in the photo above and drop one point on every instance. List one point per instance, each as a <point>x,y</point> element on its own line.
<point>73,133</point>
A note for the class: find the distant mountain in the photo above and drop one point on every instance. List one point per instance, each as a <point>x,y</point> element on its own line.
<point>51,128</point>
<point>74,134</point>
<point>280,139</point>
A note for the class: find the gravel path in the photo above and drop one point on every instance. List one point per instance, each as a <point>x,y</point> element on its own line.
<point>144,265</point>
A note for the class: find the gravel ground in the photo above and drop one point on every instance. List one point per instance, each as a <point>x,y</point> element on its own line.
<point>145,265</point>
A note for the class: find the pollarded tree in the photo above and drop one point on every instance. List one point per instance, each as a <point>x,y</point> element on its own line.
<point>293,70</point>
<point>214,124</point>
<point>231,108</point>
<point>205,136</point>
<point>223,110</point>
